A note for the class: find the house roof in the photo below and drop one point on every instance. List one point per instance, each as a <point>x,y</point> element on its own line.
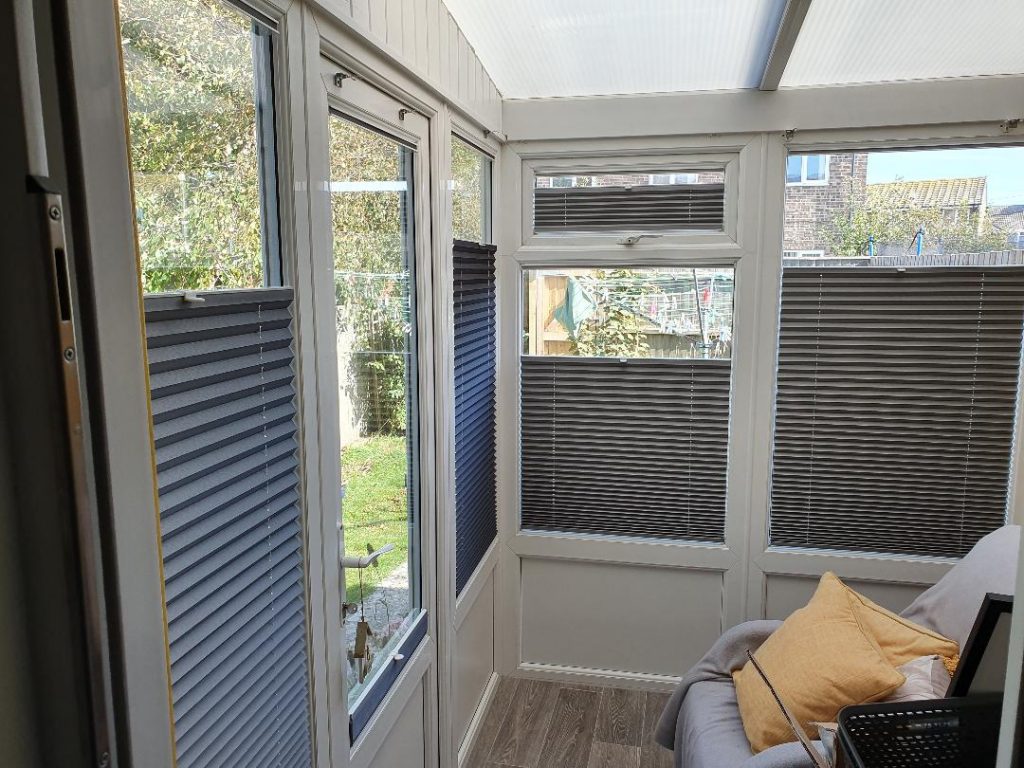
<point>1007,218</point>
<point>939,193</point>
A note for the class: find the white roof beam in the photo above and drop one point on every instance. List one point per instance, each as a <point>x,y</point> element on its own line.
<point>785,38</point>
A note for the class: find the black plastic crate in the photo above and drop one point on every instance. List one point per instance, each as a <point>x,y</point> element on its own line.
<point>942,733</point>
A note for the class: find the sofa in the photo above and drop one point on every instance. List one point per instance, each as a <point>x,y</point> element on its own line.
<point>701,722</point>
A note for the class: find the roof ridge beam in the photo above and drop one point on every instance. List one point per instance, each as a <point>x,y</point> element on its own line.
<point>782,48</point>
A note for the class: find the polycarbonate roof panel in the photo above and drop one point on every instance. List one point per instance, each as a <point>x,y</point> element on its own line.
<point>539,48</point>
<point>870,41</point>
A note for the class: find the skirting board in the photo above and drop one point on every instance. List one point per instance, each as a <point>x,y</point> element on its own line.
<point>478,717</point>
<point>614,678</point>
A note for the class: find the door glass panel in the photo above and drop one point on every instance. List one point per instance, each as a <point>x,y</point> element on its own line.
<point>372,228</point>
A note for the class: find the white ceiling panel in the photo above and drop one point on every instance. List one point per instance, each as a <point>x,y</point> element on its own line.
<point>542,48</point>
<point>870,41</point>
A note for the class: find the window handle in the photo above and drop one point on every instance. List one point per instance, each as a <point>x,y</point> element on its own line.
<point>365,561</point>
<point>633,239</point>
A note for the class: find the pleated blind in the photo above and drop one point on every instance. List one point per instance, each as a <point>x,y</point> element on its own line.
<point>476,522</point>
<point>224,421</point>
<point>640,208</point>
<point>895,407</point>
<point>636,448</point>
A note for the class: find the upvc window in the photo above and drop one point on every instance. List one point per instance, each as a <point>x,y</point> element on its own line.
<point>807,169</point>
<point>222,384</point>
<point>625,389</point>
<point>898,368</point>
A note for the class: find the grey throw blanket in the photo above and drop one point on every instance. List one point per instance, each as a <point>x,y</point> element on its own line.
<point>728,653</point>
<point>707,732</point>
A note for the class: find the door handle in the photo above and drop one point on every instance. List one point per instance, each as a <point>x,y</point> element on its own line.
<point>365,561</point>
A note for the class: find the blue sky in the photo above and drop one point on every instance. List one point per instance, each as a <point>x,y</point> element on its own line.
<point>1004,167</point>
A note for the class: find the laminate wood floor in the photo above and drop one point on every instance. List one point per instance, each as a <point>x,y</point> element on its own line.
<point>535,724</point>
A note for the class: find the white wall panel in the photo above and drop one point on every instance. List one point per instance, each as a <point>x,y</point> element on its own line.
<point>474,657</point>
<point>404,745</point>
<point>423,36</point>
<point>607,616</point>
<point>785,594</point>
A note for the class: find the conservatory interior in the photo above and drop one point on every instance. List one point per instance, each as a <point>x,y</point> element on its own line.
<point>465,384</point>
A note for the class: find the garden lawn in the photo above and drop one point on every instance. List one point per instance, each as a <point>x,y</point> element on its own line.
<point>374,510</point>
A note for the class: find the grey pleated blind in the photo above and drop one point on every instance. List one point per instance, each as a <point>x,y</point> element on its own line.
<point>641,208</point>
<point>895,407</point>
<point>476,522</point>
<point>224,421</point>
<point>636,448</point>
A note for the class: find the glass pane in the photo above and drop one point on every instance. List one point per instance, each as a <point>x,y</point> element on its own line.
<point>371,210</point>
<point>794,169</point>
<point>865,42</point>
<point>545,48</point>
<point>471,193</point>
<point>907,208</point>
<point>816,167</point>
<point>194,72</point>
<point>631,313</point>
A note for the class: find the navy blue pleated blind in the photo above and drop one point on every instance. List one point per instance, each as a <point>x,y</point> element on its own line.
<point>224,420</point>
<point>632,448</point>
<point>476,523</point>
<point>895,407</point>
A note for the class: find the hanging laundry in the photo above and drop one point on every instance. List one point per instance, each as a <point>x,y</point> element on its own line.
<point>577,308</point>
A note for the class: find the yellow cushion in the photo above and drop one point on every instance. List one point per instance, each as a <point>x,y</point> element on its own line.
<point>820,660</point>
<point>900,640</point>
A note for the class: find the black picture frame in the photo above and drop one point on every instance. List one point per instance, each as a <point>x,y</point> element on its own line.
<point>992,608</point>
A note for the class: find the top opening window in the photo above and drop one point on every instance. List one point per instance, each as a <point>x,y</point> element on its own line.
<point>807,169</point>
<point>676,201</point>
<point>198,82</point>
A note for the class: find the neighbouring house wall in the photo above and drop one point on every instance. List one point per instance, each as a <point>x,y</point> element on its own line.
<point>811,208</point>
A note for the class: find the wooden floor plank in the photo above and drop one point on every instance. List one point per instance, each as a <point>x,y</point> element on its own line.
<point>571,731</point>
<point>620,717</point>
<point>521,735</point>
<point>605,755</point>
<point>492,721</point>
<point>653,755</point>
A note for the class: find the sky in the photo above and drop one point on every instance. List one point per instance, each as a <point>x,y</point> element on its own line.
<point>1004,167</point>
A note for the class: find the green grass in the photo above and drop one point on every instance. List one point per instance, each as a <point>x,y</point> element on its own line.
<point>375,510</point>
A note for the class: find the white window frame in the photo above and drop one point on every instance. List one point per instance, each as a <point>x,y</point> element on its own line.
<point>741,246</point>
<point>754,587</point>
<point>769,563</point>
<point>804,181</point>
<point>722,158</point>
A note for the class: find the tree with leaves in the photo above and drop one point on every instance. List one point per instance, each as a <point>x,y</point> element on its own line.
<point>189,81</point>
<point>890,215</point>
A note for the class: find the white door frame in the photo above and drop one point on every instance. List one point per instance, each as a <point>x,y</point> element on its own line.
<point>373,101</point>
